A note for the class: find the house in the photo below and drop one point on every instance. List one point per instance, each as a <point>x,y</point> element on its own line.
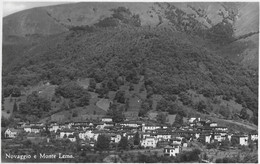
<point>213,124</point>
<point>242,139</point>
<point>106,119</point>
<point>36,124</point>
<point>163,136</point>
<point>192,119</point>
<point>192,124</point>
<point>11,133</point>
<point>229,135</point>
<point>115,138</point>
<point>162,144</point>
<point>130,135</point>
<point>96,133</point>
<point>82,135</point>
<point>149,142</point>
<point>100,125</point>
<point>66,133</point>
<point>21,124</point>
<point>176,141</point>
<point>254,136</point>
<point>171,150</point>
<point>130,124</point>
<point>218,137</point>
<point>54,127</point>
<point>72,138</point>
<point>220,128</point>
<point>205,137</point>
<point>150,127</point>
<point>185,144</point>
<point>36,129</point>
<point>27,129</point>
<point>196,134</point>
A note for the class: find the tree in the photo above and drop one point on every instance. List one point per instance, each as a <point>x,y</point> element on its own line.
<point>92,85</point>
<point>120,97</point>
<point>145,107</point>
<point>16,92</point>
<point>234,141</point>
<point>123,144</point>
<point>224,111</point>
<point>201,106</point>
<point>24,108</point>
<point>225,144</point>
<point>116,113</point>
<point>243,114</point>
<point>102,142</point>
<point>136,139</point>
<point>75,114</point>
<point>161,118</point>
<point>84,100</point>
<point>64,106</point>
<point>185,98</point>
<point>178,120</point>
<point>74,92</point>
<point>15,107</point>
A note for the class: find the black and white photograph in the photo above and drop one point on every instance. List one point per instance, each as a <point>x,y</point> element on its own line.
<point>129,82</point>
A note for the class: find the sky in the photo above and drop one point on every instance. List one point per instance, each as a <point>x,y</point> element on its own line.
<point>10,7</point>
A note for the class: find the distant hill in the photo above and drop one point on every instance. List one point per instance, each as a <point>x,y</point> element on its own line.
<point>185,17</point>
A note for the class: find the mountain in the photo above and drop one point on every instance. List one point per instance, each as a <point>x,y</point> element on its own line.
<point>190,16</point>
<point>175,47</point>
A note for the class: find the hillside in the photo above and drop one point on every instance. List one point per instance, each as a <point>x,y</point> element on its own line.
<point>185,17</point>
<point>130,60</point>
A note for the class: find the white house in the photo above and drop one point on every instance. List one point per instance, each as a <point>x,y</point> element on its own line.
<point>192,119</point>
<point>28,129</point>
<point>149,142</point>
<point>36,129</point>
<point>220,128</point>
<point>66,132</point>
<point>254,136</point>
<point>229,136</point>
<point>54,128</point>
<point>130,124</point>
<point>82,135</point>
<point>218,137</point>
<point>149,127</point>
<point>11,133</point>
<point>213,124</point>
<point>163,136</point>
<point>243,140</point>
<point>115,138</point>
<point>106,119</point>
<point>207,138</point>
<point>176,141</point>
<point>171,150</point>
<point>144,135</point>
<point>197,135</point>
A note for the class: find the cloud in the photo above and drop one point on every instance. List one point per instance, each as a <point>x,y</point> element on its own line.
<point>12,7</point>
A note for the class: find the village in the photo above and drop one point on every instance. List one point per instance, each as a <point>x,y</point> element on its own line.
<point>169,140</point>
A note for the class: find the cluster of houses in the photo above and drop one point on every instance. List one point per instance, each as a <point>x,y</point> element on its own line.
<point>152,135</point>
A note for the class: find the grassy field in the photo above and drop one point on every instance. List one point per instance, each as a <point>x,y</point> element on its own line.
<point>104,104</point>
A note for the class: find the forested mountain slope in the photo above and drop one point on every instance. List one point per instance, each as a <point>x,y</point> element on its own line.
<point>174,50</point>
